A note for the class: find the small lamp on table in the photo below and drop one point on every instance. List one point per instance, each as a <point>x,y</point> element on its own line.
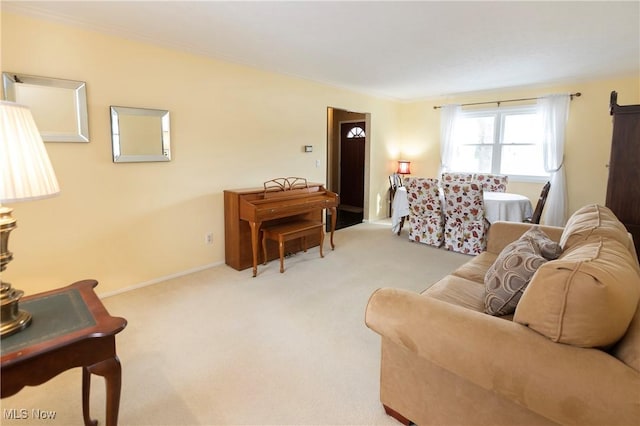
<point>25,174</point>
<point>404,168</point>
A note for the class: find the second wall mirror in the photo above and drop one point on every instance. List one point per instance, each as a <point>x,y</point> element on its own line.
<point>140,135</point>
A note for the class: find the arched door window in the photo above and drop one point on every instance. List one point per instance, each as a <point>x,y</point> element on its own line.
<point>356,132</point>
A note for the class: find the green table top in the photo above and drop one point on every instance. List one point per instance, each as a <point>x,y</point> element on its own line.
<point>53,316</point>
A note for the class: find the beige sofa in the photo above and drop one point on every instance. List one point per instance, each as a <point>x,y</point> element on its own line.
<point>570,354</point>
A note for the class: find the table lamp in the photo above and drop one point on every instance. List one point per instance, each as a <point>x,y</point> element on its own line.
<point>25,174</point>
<point>404,167</point>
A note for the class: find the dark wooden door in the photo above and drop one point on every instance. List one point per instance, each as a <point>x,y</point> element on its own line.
<point>623,187</point>
<point>352,145</point>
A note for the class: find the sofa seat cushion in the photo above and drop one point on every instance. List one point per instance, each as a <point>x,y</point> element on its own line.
<point>593,221</point>
<point>458,291</point>
<point>476,268</point>
<point>585,298</point>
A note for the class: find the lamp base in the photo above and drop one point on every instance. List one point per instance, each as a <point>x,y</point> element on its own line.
<point>12,320</point>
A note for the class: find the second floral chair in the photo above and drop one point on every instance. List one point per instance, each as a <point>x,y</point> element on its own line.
<point>492,183</point>
<point>456,177</point>
<point>465,227</point>
<point>425,211</point>
<point>489,182</point>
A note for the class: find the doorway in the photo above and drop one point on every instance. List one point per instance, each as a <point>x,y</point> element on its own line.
<point>347,151</point>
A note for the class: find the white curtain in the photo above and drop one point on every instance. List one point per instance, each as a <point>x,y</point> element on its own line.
<point>554,110</point>
<point>448,115</point>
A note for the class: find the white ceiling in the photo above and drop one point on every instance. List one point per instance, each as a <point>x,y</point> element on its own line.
<point>398,50</point>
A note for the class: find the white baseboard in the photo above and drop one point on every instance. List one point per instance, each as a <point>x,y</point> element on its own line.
<point>159,280</point>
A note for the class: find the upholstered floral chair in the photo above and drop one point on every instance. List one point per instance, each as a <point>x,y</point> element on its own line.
<point>492,183</point>
<point>456,177</point>
<point>425,211</point>
<point>465,227</point>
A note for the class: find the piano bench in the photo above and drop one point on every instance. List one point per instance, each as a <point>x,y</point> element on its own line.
<point>290,231</point>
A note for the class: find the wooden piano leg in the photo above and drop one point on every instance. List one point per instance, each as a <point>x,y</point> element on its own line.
<point>334,216</point>
<point>281,251</point>
<point>255,229</point>
<point>264,248</point>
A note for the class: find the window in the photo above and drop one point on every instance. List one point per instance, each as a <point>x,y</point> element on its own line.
<point>501,141</point>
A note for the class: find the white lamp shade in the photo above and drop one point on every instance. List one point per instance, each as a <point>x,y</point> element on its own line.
<point>25,169</point>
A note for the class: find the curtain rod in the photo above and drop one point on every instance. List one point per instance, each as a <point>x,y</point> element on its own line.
<point>577,94</point>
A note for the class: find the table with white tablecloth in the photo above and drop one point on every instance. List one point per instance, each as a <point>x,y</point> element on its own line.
<point>506,206</point>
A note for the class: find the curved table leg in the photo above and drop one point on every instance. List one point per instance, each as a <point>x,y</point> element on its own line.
<point>86,390</point>
<point>111,370</point>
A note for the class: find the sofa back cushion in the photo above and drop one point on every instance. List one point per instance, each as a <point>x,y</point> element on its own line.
<point>593,221</point>
<point>585,298</point>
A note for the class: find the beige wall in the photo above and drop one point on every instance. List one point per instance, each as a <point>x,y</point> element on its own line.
<point>231,127</point>
<point>588,138</point>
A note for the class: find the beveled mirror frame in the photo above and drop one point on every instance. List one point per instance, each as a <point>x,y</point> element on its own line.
<point>154,129</point>
<point>59,107</point>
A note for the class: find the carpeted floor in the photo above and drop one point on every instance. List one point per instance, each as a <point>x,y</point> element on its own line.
<point>219,347</point>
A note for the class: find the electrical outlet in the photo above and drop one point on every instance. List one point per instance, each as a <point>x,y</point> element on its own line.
<point>208,238</point>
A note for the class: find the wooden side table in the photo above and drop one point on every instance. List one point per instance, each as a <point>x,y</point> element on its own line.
<point>71,328</point>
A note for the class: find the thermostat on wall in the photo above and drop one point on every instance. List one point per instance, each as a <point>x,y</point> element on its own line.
<point>308,148</point>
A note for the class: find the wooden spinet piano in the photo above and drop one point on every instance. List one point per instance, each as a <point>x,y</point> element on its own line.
<point>246,210</point>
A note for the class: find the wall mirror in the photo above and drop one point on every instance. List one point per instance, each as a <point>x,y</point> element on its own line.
<point>59,107</point>
<point>139,135</point>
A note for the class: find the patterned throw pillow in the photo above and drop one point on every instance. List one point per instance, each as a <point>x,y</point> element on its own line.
<point>549,249</point>
<point>507,278</point>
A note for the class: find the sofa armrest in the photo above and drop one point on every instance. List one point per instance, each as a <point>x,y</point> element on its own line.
<point>567,384</point>
<point>503,233</point>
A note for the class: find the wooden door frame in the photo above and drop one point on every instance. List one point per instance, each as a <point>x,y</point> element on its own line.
<point>333,143</point>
